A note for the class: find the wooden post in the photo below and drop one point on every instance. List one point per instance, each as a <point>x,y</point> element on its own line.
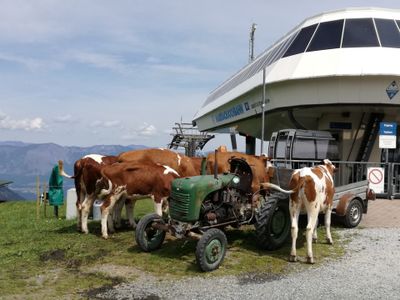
<point>44,199</point>
<point>37,197</point>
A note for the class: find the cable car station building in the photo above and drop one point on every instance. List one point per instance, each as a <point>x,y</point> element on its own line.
<point>337,71</point>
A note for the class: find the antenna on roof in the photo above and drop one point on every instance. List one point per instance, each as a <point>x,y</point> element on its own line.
<point>251,42</point>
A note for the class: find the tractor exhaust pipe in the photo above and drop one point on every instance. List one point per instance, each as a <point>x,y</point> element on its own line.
<point>216,165</point>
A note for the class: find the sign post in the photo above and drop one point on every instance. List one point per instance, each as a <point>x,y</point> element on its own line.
<point>387,140</point>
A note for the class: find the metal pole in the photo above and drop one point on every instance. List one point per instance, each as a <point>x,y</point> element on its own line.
<point>263,114</point>
<point>37,197</point>
<point>251,42</point>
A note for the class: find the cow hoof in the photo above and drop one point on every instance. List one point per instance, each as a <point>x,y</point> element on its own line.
<point>330,242</point>
<point>292,258</point>
<point>105,237</point>
<point>85,231</point>
<point>310,260</point>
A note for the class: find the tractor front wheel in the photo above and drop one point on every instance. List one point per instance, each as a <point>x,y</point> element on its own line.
<point>147,237</point>
<point>211,249</point>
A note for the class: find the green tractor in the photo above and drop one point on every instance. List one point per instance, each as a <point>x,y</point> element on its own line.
<point>200,207</point>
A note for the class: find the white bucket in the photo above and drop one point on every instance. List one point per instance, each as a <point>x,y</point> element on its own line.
<point>71,204</point>
<point>96,210</point>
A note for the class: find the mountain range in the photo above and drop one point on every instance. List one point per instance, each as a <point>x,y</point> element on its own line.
<point>22,163</point>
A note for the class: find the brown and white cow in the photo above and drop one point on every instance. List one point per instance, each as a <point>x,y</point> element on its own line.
<point>132,180</point>
<point>184,165</point>
<point>87,170</point>
<point>312,189</point>
<point>259,166</point>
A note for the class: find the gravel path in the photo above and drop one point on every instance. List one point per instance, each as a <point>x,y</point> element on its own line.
<point>369,270</point>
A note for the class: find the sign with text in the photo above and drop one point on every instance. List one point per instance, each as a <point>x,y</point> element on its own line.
<point>387,135</point>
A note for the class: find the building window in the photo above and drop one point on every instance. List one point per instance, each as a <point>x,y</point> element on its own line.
<point>359,33</point>
<point>328,36</point>
<point>303,149</point>
<point>388,33</point>
<point>301,41</point>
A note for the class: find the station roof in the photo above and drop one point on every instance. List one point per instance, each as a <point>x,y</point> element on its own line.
<point>348,42</point>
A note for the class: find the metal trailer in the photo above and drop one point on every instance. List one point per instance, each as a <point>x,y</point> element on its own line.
<point>350,201</point>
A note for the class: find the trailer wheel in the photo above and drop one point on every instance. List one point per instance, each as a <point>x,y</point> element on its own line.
<point>273,222</point>
<point>353,214</point>
<point>147,237</point>
<point>211,249</point>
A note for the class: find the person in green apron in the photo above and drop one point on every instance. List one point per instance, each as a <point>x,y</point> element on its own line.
<point>56,192</point>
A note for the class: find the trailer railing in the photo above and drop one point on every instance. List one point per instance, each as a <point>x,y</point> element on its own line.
<point>354,171</point>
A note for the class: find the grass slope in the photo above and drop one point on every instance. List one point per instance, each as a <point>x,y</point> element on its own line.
<point>47,258</point>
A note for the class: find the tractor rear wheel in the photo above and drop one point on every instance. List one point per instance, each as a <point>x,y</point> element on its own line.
<point>147,237</point>
<point>211,249</point>
<point>273,222</point>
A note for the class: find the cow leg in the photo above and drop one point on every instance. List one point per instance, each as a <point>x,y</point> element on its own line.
<point>312,213</point>
<point>115,203</point>
<point>78,216</point>
<point>117,212</point>
<point>110,221</point>
<point>328,214</point>
<point>130,208</point>
<point>106,209</point>
<point>294,210</point>
<point>165,205</point>
<point>80,195</point>
<point>315,234</point>
<point>104,219</point>
<point>158,206</point>
<point>86,206</point>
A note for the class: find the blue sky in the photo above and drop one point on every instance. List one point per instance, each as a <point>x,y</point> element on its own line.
<point>86,72</point>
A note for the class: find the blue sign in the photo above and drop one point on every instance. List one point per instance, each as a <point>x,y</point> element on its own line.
<point>387,128</point>
<point>229,113</point>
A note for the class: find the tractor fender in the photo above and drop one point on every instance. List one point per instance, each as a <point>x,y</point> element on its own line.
<point>344,201</point>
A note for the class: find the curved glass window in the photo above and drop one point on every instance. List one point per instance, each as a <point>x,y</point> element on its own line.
<point>328,36</point>
<point>388,33</point>
<point>301,41</point>
<point>359,33</point>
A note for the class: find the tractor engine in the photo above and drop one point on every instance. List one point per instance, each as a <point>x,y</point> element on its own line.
<point>224,206</point>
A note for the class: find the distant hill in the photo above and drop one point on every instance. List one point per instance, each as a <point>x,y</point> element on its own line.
<point>23,162</point>
<point>6,195</point>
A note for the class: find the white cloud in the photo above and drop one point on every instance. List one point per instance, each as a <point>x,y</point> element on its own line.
<point>180,69</point>
<point>147,130</point>
<point>144,131</point>
<point>106,124</point>
<point>30,63</point>
<point>100,60</point>
<point>65,119</point>
<point>6,122</point>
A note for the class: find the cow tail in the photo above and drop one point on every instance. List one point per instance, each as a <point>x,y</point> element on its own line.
<point>276,187</point>
<point>61,170</point>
